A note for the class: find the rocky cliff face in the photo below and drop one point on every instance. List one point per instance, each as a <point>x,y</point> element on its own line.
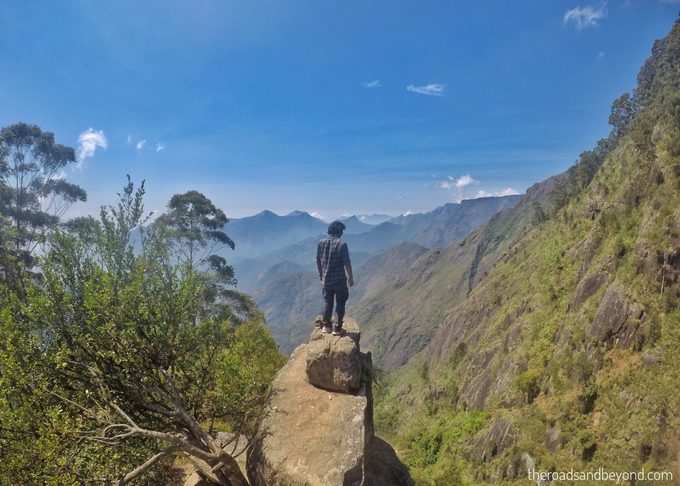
<point>318,430</point>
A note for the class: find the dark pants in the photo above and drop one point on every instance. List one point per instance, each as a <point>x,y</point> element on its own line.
<point>339,294</point>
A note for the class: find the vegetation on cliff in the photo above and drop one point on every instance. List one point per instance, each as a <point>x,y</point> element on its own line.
<point>123,344</point>
<point>563,351</point>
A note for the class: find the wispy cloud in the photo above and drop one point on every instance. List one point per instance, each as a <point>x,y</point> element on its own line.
<point>159,147</point>
<point>432,89</point>
<point>140,144</point>
<point>461,188</point>
<point>88,143</point>
<point>372,84</point>
<point>586,16</point>
<point>457,182</point>
<point>508,191</point>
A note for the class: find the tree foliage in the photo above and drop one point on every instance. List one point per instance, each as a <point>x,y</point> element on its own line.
<point>112,364</point>
<point>623,111</point>
<point>33,190</point>
<point>194,227</point>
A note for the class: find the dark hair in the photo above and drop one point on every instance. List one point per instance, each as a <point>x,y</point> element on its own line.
<point>336,228</point>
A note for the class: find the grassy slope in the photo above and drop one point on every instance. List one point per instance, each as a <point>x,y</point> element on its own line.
<point>519,366</point>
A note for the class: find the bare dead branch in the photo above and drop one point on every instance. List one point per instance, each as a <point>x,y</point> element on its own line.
<point>204,469</point>
<point>142,468</point>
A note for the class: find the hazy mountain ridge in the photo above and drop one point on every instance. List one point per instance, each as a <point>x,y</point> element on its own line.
<point>267,231</point>
<point>291,298</point>
<point>378,255</point>
<point>563,350</point>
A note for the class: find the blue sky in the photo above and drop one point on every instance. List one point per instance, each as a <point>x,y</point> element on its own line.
<point>330,107</point>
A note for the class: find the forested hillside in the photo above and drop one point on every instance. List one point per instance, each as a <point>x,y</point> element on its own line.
<point>552,332</point>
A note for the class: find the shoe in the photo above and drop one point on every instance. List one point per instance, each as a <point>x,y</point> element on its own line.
<point>325,330</point>
<point>318,322</point>
<point>338,331</point>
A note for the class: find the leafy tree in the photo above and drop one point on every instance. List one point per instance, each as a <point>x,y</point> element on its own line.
<point>34,193</point>
<point>195,228</point>
<point>126,356</point>
<point>623,111</point>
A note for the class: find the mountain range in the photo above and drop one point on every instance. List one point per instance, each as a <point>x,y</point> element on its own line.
<point>284,282</point>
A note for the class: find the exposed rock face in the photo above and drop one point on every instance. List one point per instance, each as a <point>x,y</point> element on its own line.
<point>588,286</point>
<point>334,362</point>
<point>492,442</point>
<point>382,467</point>
<point>315,437</point>
<point>617,320</point>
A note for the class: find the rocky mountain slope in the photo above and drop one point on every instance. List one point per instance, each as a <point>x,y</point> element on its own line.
<point>549,336</point>
<point>451,222</point>
<point>401,319</point>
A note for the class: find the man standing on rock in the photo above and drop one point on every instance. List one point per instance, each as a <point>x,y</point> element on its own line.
<point>335,272</point>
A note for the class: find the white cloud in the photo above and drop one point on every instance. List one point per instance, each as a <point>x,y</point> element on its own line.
<point>372,84</point>
<point>432,89</point>
<point>129,139</point>
<point>508,191</point>
<point>587,16</point>
<point>601,55</point>
<point>159,147</point>
<point>317,215</point>
<point>457,183</point>
<point>140,144</point>
<point>88,143</point>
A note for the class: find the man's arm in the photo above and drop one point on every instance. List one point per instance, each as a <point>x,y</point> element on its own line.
<point>348,265</point>
<point>318,261</point>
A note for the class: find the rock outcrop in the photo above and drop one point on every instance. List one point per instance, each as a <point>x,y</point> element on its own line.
<point>334,362</point>
<point>314,436</point>
<point>617,320</point>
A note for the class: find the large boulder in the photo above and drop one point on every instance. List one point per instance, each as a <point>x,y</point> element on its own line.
<point>309,436</point>
<point>315,437</point>
<point>334,362</point>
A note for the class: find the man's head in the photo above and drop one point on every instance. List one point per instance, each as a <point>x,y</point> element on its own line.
<point>336,228</point>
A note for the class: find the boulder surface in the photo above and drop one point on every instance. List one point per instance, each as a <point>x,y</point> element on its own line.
<point>334,362</point>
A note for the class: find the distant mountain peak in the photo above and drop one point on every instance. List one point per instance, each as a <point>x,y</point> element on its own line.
<point>297,212</point>
<point>351,219</point>
<point>266,213</point>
